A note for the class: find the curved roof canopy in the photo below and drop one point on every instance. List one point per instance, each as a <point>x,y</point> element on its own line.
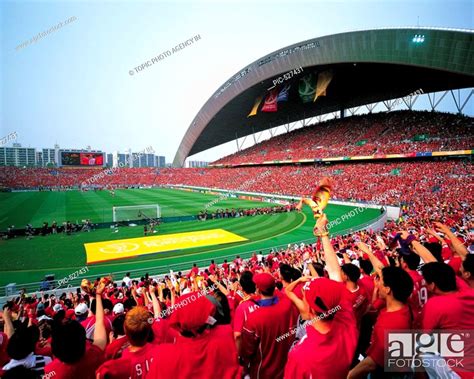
<point>355,68</point>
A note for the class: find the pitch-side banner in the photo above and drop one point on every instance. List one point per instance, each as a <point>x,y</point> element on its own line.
<point>133,247</point>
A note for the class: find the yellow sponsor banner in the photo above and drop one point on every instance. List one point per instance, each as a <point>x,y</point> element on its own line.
<point>132,247</point>
<point>446,153</point>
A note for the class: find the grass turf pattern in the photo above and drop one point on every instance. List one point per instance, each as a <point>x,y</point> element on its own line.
<point>25,261</point>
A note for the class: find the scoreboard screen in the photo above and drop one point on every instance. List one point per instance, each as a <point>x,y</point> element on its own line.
<point>81,159</point>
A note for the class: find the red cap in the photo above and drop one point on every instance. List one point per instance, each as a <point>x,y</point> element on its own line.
<point>264,281</point>
<point>70,314</point>
<point>192,312</point>
<point>328,291</point>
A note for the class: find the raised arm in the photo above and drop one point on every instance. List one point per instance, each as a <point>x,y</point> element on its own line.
<point>155,302</point>
<point>457,245</point>
<point>376,263</point>
<point>332,264</point>
<point>7,318</point>
<point>304,311</point>
<point>100,334</point>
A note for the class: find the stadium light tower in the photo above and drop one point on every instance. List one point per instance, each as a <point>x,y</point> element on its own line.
<point>418,38</point>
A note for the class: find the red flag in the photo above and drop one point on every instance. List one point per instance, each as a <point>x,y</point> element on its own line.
<point>270,104</point>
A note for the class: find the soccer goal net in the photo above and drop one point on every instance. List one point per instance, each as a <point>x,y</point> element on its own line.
<point>136,212</point>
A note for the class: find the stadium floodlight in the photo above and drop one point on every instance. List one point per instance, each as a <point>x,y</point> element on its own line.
<point>136,212</point>
<point>418,38</point>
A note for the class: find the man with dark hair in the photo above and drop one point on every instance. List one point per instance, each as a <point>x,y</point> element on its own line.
<point>247,306</point>
<point>467,270</point>
<point>356,294</point>
<point>74,356</point>
<point>259,351</point>
<point>419,296</point>
<point>90,321</point>
<point>118,340</point>
<point>451,309</point>
<point>21,348</point>
<point>394,286</point>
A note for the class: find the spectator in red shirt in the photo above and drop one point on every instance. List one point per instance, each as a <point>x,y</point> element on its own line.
<point>467,270</point>
<point>394,286</point>
<point>247,306</point>
<point>276,316</point>
<point>117,338</point>
<point>90,322</point>
<point>452,308</point>
<point>74,356</point>
<point>419,296</point>
<point>203,350</point>
<point>137,358</point>
<point>356,294</point>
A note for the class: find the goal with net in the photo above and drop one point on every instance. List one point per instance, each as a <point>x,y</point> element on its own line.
<point>136,212</point>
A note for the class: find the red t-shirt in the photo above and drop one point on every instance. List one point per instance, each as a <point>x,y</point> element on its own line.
<point>162,333</point>
<point>359,300</point>
<point>134,365</point>
<point>84,368</point>
<point>116,347</point>
<point>89,326</point>
<point>418,298</point>
<point>398,320</point>
<point>367,282</point>
<point>455,262</point>
<point>325,356</point>
<point>44,350</point>
<point>267,357</point>
<point>207,356</point>
<point>454,311</point>
<point>242,312</point>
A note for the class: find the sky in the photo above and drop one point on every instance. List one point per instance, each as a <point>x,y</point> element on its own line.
<point>74,86</point>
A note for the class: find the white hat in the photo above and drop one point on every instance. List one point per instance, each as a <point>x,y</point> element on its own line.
<point>118,309</point>
<point>57,307</point>
<point>81,309</point>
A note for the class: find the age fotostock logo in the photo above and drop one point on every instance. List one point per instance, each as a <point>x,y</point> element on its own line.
<point>443,349</point>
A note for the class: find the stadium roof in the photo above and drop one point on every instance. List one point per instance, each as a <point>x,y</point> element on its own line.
<point>332,73</point>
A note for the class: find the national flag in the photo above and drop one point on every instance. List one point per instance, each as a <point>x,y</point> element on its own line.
<point>324,78</point>
<point>254,110</point>
<point>270,104</point>
<point>283,95</point>
<point>307,88</point>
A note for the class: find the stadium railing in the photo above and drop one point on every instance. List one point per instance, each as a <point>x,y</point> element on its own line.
<point>160,271</point>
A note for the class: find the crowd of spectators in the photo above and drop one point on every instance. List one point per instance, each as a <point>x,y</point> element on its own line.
<point>373,134</point>
<point>382,182</point>
<point>235,213</point>
<point>317,310</point>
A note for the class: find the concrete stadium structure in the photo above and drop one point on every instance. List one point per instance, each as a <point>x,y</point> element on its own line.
<point>365,67</point>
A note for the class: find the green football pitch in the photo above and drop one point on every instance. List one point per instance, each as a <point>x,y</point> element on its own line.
<point>27,261</point>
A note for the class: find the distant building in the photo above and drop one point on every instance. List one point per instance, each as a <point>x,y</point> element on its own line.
<point>160,161</point>
<point>48,157</point>
<point>109,160</point>
<point>197,164</point>
<point>17,156</point>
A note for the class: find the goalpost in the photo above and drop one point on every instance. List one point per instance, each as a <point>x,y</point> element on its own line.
<point>136,212</point>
